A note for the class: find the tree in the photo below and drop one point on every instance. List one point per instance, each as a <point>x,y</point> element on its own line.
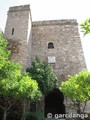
<point>3,53</point>
<point>85,26</point>
<point>43,74</point>
<point>28,90</point>
<point>14,84</point>
<point>77,88</point>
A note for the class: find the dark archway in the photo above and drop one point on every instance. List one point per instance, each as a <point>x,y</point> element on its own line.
<point>54,103</point>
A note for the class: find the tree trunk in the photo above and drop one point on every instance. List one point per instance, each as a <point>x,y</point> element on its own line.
<point>5,115</point>
<point>84,106</point>
<point>78,110</point>
<point>78,107</point>
<point>26,106</point>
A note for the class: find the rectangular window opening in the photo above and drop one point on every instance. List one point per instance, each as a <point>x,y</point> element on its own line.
<point>12,31</point>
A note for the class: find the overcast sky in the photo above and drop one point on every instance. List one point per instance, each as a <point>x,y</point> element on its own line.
<point>49,9</point>
<point>52,10</point>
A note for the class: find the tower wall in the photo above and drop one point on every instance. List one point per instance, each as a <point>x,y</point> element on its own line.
<point>67,49</point>
<point>18,33</point>
<point>29,39</point>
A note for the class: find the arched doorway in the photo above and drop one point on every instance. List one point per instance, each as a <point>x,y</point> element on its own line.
<point>54,103</point>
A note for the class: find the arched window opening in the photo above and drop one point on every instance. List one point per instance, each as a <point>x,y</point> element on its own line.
<point>50,45</point>
<point>12,31</point>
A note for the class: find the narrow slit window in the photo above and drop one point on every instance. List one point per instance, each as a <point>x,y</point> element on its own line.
<point>12,31</point>
<point>50,45</point>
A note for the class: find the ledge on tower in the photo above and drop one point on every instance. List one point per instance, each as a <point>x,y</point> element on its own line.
<point>56,22</point>
<point>19,8</point>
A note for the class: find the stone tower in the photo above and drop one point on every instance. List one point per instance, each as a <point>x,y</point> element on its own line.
<point>56,41</point>
<point>18,33</point>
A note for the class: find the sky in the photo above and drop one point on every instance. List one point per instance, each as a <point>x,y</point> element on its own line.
<point>53,10</point>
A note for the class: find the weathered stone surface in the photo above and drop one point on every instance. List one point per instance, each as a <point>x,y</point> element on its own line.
<point>67,46</point>
<point>20,41</point>
<point>29,39</point>
<point>33,37</point>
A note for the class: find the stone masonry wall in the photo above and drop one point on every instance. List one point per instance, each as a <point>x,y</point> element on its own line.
<point>19,19</point>
<point>30,39</point>
<point>67,46</point>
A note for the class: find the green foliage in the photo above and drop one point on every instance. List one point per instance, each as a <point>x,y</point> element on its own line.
<point>20,86</point>
<point>3,53</point>
<point>28,88</point>
<point>35,115</point>
<point>77,87</point>
<point>85,27</point>
<point>43,74</point>
<point>12,81</point>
